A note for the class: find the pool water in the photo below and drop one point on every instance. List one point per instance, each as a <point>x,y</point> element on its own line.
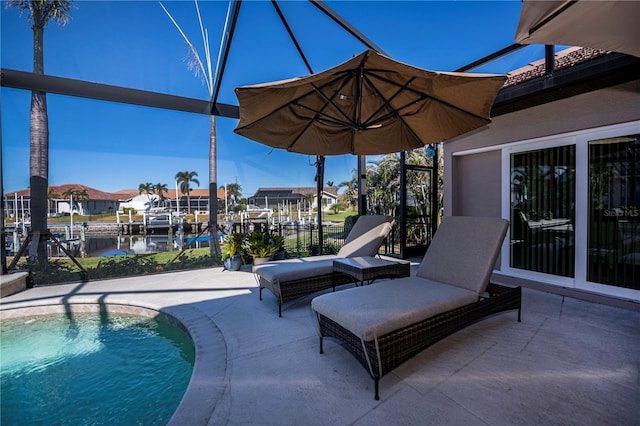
<point>92,369</point>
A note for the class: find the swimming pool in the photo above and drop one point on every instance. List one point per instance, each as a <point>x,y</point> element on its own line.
<point>109,366</point>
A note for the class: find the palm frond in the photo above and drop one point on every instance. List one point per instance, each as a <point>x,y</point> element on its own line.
<point>194,52</point>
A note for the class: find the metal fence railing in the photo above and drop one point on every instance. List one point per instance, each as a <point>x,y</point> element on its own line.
<point>302,239</point>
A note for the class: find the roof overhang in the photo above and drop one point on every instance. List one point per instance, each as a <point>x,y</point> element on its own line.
<point>598,73</point>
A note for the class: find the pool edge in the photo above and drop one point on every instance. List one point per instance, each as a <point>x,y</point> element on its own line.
<point>208,378</point>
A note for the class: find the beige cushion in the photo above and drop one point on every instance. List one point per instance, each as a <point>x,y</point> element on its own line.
<point>464,251</point>
<point>295,269</point>
<point>366,236</point>
<point>375,310</point>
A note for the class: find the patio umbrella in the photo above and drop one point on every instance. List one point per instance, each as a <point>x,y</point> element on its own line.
<point>368,105</point>
<point>607,25</point>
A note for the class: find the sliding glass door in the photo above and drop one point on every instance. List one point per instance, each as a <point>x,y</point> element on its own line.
<point>614,212</point>
<point>543,210</point>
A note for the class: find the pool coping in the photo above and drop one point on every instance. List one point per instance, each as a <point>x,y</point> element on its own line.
<point>208,378</point>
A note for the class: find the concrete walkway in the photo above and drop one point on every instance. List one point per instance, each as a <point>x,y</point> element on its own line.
<point>569,362</point>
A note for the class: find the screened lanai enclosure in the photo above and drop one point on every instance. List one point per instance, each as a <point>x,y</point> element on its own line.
<point>132,102</point>
<point>136,106</point>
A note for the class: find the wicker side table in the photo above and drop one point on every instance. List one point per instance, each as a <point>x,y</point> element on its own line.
<point>368,268</point>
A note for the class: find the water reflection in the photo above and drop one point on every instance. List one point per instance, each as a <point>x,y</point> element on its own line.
<point>120,245</point>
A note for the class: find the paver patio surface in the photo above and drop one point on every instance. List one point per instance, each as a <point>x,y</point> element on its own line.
<point>568,362</point>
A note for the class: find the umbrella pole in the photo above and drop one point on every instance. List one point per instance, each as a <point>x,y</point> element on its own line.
<point>362,185</point>
<point>319,188</point>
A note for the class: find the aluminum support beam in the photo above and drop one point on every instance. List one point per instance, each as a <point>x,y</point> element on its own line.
<point>104,92</point>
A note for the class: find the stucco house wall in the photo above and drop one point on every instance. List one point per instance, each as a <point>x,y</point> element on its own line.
<point>474,164</point>
<point>477,192</point>
<point>618,104</point>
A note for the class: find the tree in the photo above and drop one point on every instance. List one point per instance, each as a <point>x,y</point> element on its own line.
<point>184,179</point>
<point>51,195</point>
<point>40,13</point>
<point>76,194</point>
<point>310,197</point>
<point>160,189</point>
<point>351,193</point>
<point>233,194</point>
<point>383,184</point>
<point>147,189</point>
<point>197,66</point>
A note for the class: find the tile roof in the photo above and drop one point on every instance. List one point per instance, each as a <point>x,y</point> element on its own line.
<point>563,59</point>
<point>297,190</point>
<point>94,194</point>
<point>120,195</point>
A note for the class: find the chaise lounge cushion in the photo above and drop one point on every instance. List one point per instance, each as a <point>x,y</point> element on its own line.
<point>295,269</point>
<point>373,311</point>
<point>464,264</point>
<point>364,239</point>
<point>366,236</point>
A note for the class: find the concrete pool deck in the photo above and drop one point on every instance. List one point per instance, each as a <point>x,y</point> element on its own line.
<point>568,362</point>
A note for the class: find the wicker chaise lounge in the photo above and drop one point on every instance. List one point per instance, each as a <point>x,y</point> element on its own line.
<point>386,324</point>
<point>293,278</point>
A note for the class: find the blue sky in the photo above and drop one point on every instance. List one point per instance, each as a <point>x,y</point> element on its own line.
<point>111,146</point>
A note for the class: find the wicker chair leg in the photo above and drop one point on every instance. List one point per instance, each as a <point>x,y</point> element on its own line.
<point>261,292</point>
<point>279,309</point>
<point>376,381</point>
<point>321,346</point>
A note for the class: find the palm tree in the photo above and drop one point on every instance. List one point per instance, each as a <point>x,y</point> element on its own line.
<point>40,13</point>
<point>184,179</point>
<point>198,67</point>
<point>51,195</point>
<point>76,194</point>
<point>146,188</point>
<point>160,189</point>
<point>383,182</point>
<point>79,195</point>
<point>383,186</point>
<point>351,193</point>
<point>233,192</point>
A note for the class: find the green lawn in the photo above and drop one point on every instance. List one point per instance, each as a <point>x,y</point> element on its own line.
<point>61,270</point>
<point>338,217</point>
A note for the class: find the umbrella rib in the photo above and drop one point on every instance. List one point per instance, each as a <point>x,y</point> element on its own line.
<point>318,90</point>
<point>551,17</point>
<point>332,103</point>
<point>396,111</point>
<point>325,116</point>
<point>369,121</point>
<point>426,95</point>
<point>329,101</point>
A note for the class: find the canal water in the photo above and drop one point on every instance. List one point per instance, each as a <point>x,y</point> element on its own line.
<point>120,245</point>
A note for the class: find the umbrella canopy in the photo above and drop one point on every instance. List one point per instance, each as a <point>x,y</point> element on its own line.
<point>607,25</point>
<point>368,105</point>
